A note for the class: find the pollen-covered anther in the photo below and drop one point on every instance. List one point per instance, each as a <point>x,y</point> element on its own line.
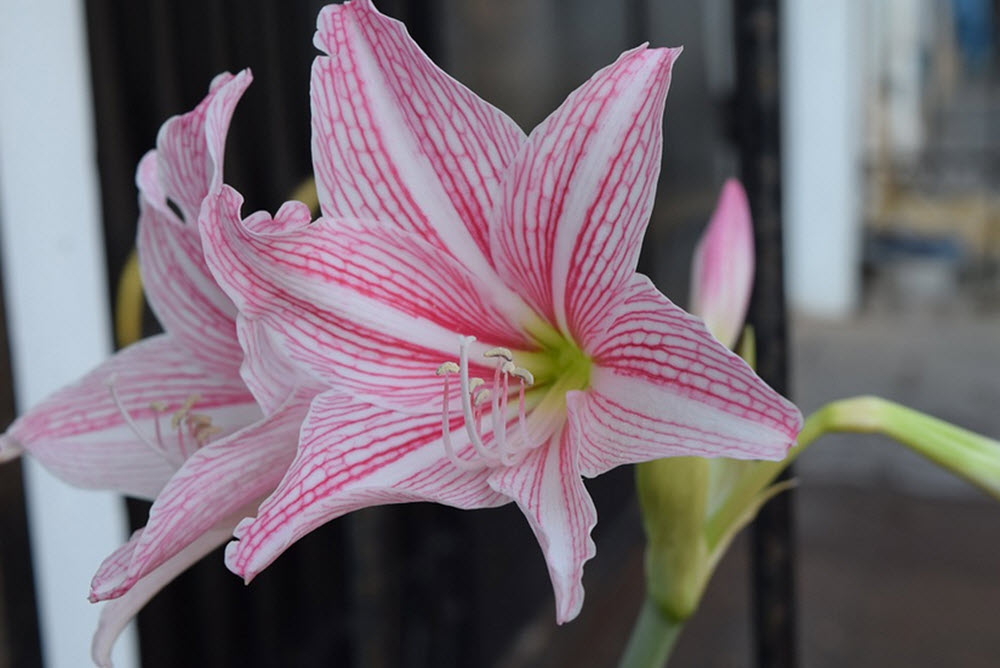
<point>524,375</point>
<point>446,368</point>
<point>181,413</point>
<point>500,352</point>
<point>475,383</point>
<point>482,397</point>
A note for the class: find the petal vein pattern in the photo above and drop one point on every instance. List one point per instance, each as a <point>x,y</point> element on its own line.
<point>577,198</point>
<point>356,302</point>
<point>87,435</point>
<point>397,139</point>
<point>225,476</point>
<point>353,455</point>
<point>662,386</point>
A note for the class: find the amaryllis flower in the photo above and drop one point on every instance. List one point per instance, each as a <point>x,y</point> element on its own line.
<point>470,297</point>
<point>169,417</point>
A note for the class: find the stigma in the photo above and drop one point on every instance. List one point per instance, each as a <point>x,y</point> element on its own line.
<point>478,397</point>
<point>192,430</point>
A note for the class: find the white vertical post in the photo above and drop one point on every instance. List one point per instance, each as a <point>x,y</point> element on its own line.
<point>821,138</point>
<point>56,289</point>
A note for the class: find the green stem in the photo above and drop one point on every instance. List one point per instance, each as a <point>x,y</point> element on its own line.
<point>652,640</point>
<point>966,454</point>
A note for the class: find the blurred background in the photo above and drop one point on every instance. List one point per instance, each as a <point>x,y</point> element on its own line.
<point>889,173</point>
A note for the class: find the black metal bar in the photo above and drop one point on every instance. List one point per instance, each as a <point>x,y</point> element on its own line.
<point>758,132</point>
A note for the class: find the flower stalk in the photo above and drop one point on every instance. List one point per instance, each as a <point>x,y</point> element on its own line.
<point>685,542</point>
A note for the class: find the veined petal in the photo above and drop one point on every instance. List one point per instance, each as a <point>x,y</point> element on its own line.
<point>396,139</point>
<point>225,476</point>
<point>353,455</point>
<point>84,436</point>
<point>722,272</point>
<point>181,291</point>
<point>270,377</point>
<point>548,489</point>
<point>116,614</point>
<point>361,304</point>
<point>662,386</point>
<point>186,172</point>
<point>180,288</point>
<point>578,196</point>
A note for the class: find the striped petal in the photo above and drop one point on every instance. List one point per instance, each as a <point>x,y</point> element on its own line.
<point>662,386</point>
<point>226,476</point>
<point>180,288</point>
<point>397,139</point>
<point>722,272</point>
<point>353,455</point>
<point>116,614</point>
<point>361,304</point>
<point>123,440</point>
<point>187,173</point>
<point>549,491</point>
<point>578,196</point>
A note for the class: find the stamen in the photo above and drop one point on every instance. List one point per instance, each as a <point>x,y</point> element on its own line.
<point>475,397</point>
<point>449,450</point>
<point>470,420</point>
<point>155,447</point>
<point>446,368</point>
<point>499,352</point>
<point>525,377</point>
<point>175,419</point>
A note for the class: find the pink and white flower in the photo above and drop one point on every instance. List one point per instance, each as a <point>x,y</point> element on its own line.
<point>470,298</point>
<point>170,418</point>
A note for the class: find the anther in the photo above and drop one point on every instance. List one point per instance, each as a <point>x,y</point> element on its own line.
<point>482,398</point>
<point>507,367</point>
<point>158,406</point>
<point>448,367</point>
<point>500,352</point>
<point>524,375</point>
<point>474,384</point>
<point>180,413</point>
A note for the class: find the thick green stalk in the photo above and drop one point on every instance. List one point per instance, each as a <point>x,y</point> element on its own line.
<point>967,454</point>
<point>652,640</point>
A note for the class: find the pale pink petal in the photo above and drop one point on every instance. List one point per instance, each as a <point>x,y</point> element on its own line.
<point>547,487</point>
<point>223,477</point>
<point>187,171</point>
<point>181,291</point>
<point>353,455</point>
<point>265,370</point>
<point>722,272</point>
<point>396,139</point>
<point>361,304</point>
<point>661,386</point>
<point>577,199</point>
<point>180,288</point>
<point>83,436</point>
<point>116,614</point>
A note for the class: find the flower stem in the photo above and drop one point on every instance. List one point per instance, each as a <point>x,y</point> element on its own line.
<point>968,455</point>
<point>652,639</point>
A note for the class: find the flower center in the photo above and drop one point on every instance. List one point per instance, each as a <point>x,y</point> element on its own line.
<point>476,397</point>
<point>193,430</point>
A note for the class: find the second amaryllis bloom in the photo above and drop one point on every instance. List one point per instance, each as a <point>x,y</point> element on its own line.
<point>470,298</point>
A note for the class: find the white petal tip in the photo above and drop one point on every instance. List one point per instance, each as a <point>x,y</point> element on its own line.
<point>9,449</point>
